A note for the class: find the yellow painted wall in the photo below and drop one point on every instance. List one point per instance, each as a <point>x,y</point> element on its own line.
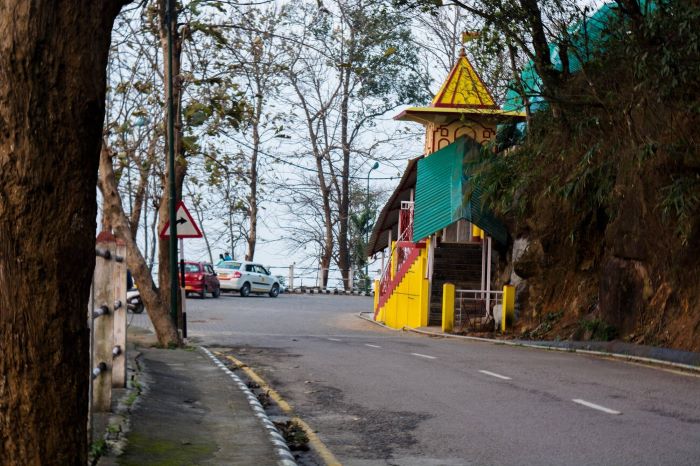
<point>438,136</point>
<point>409,304</point>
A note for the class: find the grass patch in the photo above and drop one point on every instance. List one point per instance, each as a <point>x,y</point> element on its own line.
<point>599,330</point>
<point>98,448</point>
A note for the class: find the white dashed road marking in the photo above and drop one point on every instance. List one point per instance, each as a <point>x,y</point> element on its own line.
<point>595,406</point>
<point>372,346</point>
<point>423,356</point>
<point>334,339</point>
<point>493,374</point>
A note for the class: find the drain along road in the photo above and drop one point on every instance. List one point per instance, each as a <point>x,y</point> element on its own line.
<point>381,397</point>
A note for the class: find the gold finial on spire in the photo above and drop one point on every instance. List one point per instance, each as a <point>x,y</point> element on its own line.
<point>469,35</point>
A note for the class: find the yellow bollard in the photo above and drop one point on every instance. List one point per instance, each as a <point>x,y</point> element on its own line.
<point>448,307</point>
<point>508,307</point>
<point>376,295</point>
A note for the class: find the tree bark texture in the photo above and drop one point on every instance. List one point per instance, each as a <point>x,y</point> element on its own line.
<point>253,197</point>
<point>53,57</point>
<point>158,312</point>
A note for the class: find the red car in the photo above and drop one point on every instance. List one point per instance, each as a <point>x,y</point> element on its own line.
<point>200,278</point>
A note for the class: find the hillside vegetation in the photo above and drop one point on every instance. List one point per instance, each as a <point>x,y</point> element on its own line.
<point>607,194</point>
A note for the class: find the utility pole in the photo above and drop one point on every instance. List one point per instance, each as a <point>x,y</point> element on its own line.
<point>374,167</point>
<point>172,240</point>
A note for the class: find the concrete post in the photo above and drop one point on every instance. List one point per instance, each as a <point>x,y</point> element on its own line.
<point>448,307</point>
<point>291,277</point>
<point>508,308</point>
<point>488,274</point>
<point>119,335</point>
<point>351,278</point>
<point>183,309</point>
<point>103,322</point>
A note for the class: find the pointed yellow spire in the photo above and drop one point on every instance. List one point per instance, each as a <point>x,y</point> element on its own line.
<point>463,88</point>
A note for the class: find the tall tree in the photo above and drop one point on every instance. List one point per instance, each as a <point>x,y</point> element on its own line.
<point>205,105</point>
<point>357,65</point>
<point>533,27</point>
<point>53,57</point>
<point>255,50</point>
<point>374,50</point>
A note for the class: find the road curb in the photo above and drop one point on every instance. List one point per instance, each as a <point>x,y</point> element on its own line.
<point>314,441</point>
<point>280,445</point>
<point>379,323</point>
<point>626,357</point>
<point>328,291</point>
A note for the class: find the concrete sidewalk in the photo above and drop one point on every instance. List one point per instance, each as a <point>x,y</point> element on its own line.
<point>191,413</point>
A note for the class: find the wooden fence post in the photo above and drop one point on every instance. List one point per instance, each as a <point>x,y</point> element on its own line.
<point>103,322</point>
<point>119,335</point>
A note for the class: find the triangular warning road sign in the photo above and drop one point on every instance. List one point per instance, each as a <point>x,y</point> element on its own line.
<point>186,226</point>
<point>463,88</point>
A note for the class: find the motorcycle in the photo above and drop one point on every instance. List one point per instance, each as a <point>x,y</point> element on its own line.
<point>133,301</point>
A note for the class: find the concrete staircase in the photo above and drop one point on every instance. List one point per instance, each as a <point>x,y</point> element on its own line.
<point>387,284</point>
<point>454,263</point>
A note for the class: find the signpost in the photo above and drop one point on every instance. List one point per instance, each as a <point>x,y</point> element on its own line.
<point>185,227</point>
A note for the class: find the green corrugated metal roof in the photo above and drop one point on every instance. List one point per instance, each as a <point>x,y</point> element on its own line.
<point>442,188</point>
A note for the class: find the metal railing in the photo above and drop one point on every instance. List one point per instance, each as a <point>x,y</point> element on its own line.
<point>474,309</point>
<point>405,234</point>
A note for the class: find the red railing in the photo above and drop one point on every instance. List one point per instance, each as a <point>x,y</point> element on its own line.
<point>406,253</point>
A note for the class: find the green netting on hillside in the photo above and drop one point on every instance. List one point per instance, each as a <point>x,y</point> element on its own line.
<point>587,38</point>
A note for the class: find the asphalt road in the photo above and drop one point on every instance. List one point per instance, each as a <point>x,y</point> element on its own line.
<point>381,397</point>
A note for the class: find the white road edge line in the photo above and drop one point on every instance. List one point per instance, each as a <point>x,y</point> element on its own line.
<point>334,339</point>
<point>423,356</point>
<point>493,374</point>
<point>595,406</point>
<point>372,346</point>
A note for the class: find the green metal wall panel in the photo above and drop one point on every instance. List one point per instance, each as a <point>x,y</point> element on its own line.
<point>433,197</point>
<point>444,194</point>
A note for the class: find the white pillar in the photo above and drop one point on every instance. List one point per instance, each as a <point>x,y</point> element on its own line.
<point>488,272</point>
<point>483,267</point>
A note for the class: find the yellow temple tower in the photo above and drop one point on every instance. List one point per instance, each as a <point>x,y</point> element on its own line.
<point>432,231</point>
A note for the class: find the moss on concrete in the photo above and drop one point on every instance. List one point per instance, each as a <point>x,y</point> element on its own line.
<point>156,451</point>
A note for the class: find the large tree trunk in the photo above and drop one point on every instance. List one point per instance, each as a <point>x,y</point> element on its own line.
<point>151,296</point>
<point>53,57</point>
<point>144,167</point>
<point>551,77</point>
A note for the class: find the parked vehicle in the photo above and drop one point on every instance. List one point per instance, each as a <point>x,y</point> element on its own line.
<point>283,286</point>
<point>247,277</point>
<point>201,278</point>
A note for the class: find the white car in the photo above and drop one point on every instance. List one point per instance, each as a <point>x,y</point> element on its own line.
<point>246,277</point>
